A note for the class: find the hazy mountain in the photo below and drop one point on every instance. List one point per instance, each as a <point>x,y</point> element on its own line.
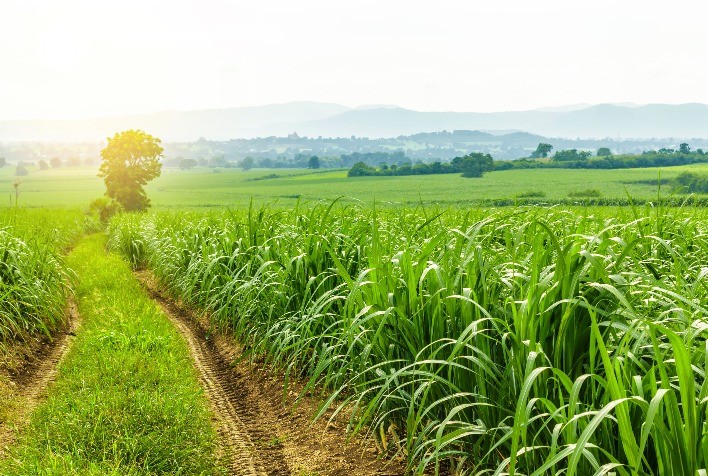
<point>334,120</point>
<point>376,106</point>
<point>651,120</point>
<point>391,122</point>
<point>605,120</point>
<point>218,124</point>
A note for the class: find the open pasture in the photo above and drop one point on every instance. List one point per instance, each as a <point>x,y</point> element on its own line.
<point>208,188</point>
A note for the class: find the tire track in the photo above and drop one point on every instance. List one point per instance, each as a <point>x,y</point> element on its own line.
<point>261,430</point>
<point>34,379</point>
<point>228,406</point>
<point>47,369</point>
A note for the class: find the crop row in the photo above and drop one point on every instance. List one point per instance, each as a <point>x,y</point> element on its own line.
<point>33,280</point>
<point>532,341</point>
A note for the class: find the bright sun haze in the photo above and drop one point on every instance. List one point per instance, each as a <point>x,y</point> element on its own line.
<point>80,58</point>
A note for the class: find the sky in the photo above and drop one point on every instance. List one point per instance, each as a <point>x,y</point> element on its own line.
<point>93,58</point>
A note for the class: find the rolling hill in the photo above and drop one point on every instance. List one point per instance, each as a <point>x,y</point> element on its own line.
<point>333,120</point>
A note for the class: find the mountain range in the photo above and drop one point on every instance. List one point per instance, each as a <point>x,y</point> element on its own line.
<point>314,119</point>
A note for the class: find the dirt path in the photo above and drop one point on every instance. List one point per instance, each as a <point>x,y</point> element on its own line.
<point>237,446</point>
<point>30,379</point>
<point>260,433</point>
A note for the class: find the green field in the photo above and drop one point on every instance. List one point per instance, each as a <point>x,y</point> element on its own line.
<point>464,339</point>
<point>202,187</point>
<point>545,341</point>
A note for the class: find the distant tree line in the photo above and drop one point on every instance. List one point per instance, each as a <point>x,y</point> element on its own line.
<point>339,152</point>
<point>575,159</point>
<point>21,168</point>
<point>566,159</point>
<point>54,162</point>
<point>428,147</point>
<point>470,165</point>
<point>300,161</point>
<point>397,158</point>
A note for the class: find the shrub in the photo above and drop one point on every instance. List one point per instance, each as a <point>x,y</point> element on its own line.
<point>105,208</point>
<point>689,182</point>
<point>589,192</point>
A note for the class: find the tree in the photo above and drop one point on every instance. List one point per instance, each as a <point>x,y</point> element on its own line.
<point>3,162</point>
<point>246,163</point>
<point>604,152</point>
<point>313,163</point>
<point>43,165</point>
<point>684,148</point>
<point>475,164</point>
<point>73,161</point>
<point>55,162</point>
<point>266,163</point>
<point>570,155</point>
<point>360,169</point>
<point>130,160</point>
<point>21,171</point>
<point>542,150</point>
<point>186,164</point>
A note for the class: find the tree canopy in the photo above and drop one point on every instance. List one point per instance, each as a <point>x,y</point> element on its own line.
<point>470,165</point>
<point>186,164</point>
<point>542,151</point>
<point>313,163</point>
<point>474,164</point>
<point>130,160</point>
<point>570,155</point>
<point>21,170</point>
<point>247,163</point>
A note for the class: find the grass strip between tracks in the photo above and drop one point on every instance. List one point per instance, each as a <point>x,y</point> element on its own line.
<point>126,400</point>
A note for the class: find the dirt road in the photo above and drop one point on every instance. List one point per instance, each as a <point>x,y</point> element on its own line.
<point>260,433</point>
<point>29,379</point>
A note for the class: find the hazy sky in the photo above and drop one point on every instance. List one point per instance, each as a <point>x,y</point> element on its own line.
<point>82,58</point>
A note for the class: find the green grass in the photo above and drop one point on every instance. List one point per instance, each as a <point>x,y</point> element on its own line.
<point>126,401</point>
<point>527,341</point>
<point>199,188</point>
<point>68,187</point>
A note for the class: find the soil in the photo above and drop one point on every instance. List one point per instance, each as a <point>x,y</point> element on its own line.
<point>26,370</point>
<point>261,431</point>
